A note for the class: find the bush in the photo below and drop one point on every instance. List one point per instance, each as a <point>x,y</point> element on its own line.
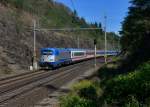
<point>84,94</point>
<point>75,101</point>
<point>135,84</point>
<point>87,90</point>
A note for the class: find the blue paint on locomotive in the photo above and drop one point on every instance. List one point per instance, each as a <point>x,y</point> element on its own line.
<point>60,56</point>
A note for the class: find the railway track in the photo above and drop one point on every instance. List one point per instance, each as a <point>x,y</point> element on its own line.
<point>17,85</point>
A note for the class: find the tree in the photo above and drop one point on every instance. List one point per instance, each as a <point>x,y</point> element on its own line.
<point>96,24</point>
<point>101,29</point>
<point>136,30</point>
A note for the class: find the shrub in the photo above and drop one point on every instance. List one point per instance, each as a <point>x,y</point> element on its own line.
<point>75,101</point>
<point>135,84</point>
<point>84,94</point>
<point>87,89</point>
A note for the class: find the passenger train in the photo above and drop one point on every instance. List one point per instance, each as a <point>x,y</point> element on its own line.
<point>56,57</point>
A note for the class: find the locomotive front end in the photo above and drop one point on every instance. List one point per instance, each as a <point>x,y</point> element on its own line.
<point>47,57</point>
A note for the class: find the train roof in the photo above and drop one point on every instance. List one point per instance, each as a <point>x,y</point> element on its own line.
<point>73,49</point>
<point>63,49</point>
<point>76,49</point>
<point>55,49</point>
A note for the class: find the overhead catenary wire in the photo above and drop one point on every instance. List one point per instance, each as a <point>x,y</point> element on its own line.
<point>67,29</point>
<point>73,5</point>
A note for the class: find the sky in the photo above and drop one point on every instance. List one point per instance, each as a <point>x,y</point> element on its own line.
<point>94,11</point>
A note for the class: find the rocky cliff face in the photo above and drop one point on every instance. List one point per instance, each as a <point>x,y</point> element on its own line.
<point>16,40</point>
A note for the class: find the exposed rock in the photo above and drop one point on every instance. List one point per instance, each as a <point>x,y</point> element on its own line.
<point>16,40</point>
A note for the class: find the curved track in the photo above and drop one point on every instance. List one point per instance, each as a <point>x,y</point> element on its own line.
<point>16,85</point>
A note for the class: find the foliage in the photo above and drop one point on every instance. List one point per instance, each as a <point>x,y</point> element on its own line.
<point>109,71</point>
<point>132,103</point>
<point>76,101</point>
<point>136,24</point>
<point>87,90</point>
<point>135,84</point>
<point>136,33</point>
<point>84,94</point>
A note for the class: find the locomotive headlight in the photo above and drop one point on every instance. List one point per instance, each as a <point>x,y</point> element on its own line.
<point>51,58</point>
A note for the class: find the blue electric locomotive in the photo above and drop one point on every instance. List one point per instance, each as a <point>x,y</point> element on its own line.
<point>54,57</point>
